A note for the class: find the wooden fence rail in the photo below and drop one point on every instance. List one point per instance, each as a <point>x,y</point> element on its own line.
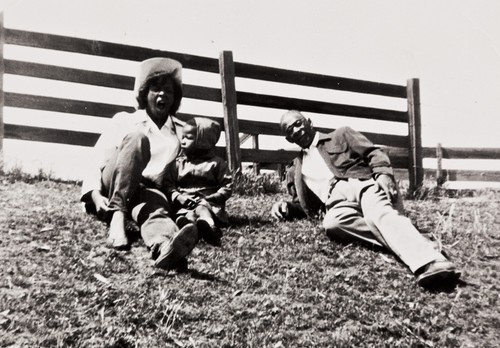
<point>405,151</point>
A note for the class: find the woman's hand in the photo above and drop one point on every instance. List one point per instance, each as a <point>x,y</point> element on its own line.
<point>101,204</point>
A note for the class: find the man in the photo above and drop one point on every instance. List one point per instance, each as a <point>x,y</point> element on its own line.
<point>345,175</point>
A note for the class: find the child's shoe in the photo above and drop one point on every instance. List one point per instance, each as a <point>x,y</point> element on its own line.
<point>182,221</point>
<point>210,233</point>
<point>170,253</point>
<point>181,266</point>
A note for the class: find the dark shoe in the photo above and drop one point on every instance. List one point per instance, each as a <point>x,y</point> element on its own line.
<point>179,247</point>
<point>181,266</point>
<point>438,273</point>
<point>211,234</point>
<point>182,221</point>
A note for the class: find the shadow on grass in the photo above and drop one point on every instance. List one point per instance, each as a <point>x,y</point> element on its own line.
<point>241,220</point>
<point>447,288</point>
<point>193,273</point>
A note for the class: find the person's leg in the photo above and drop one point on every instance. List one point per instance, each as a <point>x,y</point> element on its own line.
<point>397,231</point>
<point>206,226</point>
<point>345,222</point>
<point>121,177</point>
<point>167,243</point>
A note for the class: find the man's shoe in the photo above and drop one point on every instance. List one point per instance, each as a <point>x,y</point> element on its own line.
<point>438,273</point>
<point>211,234</point>
<point>179,247</point>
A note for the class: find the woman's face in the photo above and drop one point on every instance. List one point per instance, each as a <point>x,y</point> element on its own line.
<point>159,99</point>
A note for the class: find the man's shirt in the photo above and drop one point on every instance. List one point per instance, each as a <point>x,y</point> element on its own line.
<point>315,172</point>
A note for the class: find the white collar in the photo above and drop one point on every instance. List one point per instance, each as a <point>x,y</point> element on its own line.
<point>314,142</point>
<point>143,117</point>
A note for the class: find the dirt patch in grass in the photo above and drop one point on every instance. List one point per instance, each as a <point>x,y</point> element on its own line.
<point>270,285</point>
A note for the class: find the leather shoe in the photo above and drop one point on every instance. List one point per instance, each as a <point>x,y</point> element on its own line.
<point>441,272</point>
<point>182,221</point>
<point>171,252</point>
<point>211,234</point>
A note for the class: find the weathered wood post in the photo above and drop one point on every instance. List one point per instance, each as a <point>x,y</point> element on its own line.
<point>229,103</point>
<point>415,170</point>
<point>2,70</point>
<point>255,146</point>
<point>439,166</point>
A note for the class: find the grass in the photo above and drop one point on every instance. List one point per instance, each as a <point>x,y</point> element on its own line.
<point>270,285</point>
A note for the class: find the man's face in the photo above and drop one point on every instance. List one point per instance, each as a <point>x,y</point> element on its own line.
<point>160,98</point>
<point>297,129</point>
<point>188,140</point>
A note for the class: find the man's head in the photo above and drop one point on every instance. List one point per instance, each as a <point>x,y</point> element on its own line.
<point>159,73</point>
<point>297,129</point>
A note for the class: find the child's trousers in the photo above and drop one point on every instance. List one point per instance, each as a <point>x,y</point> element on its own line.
<point>129,192</point>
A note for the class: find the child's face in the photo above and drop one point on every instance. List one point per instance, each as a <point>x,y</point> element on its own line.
<point>160,98</point>
<point>188,140</point>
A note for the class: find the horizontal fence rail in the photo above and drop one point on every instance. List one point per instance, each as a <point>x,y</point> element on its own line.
<point>317,80</point>
<point>105,49</point>
<point>276,102</point>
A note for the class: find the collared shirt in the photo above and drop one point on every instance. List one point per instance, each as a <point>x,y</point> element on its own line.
<point>164,145</point>
<point>315,172</point>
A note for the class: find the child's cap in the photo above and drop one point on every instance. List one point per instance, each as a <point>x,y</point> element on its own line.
<point>207,133</point>
<point>154,67</point>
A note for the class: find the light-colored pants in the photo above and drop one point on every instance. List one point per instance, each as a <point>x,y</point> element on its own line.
<point>357,211</point>
<point>128,191</point>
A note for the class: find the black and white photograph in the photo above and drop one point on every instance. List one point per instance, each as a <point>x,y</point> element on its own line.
<point>230,173</point>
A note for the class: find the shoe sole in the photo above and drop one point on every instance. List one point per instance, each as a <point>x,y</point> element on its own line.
<point>438,277</point>
<point>180,246</point>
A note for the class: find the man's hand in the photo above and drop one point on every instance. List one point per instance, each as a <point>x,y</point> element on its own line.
<point>280,210</point>
<point>101,204</point>
<point>386,183</point>
<point>186,201</point>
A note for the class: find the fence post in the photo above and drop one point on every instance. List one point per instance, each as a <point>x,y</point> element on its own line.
<point>416,173</point>
<point>255,146</point>
<point>2,70</point>
<point>439,167</point>
<point>229,103</point>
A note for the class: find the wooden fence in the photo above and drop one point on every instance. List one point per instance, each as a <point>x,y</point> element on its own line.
<point>461,153</point>
<point>406,152</point>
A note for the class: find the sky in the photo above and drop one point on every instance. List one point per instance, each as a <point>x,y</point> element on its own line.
<point>453,47</point>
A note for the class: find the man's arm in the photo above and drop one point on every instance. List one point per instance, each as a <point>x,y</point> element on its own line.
<point>377,159</point>
<point>289,210</point>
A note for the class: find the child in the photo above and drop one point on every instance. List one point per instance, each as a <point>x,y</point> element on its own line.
<point>129,162</point>
<point>198,183</point>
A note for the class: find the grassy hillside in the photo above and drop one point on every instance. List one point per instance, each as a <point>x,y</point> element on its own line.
<point>270,285</point>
